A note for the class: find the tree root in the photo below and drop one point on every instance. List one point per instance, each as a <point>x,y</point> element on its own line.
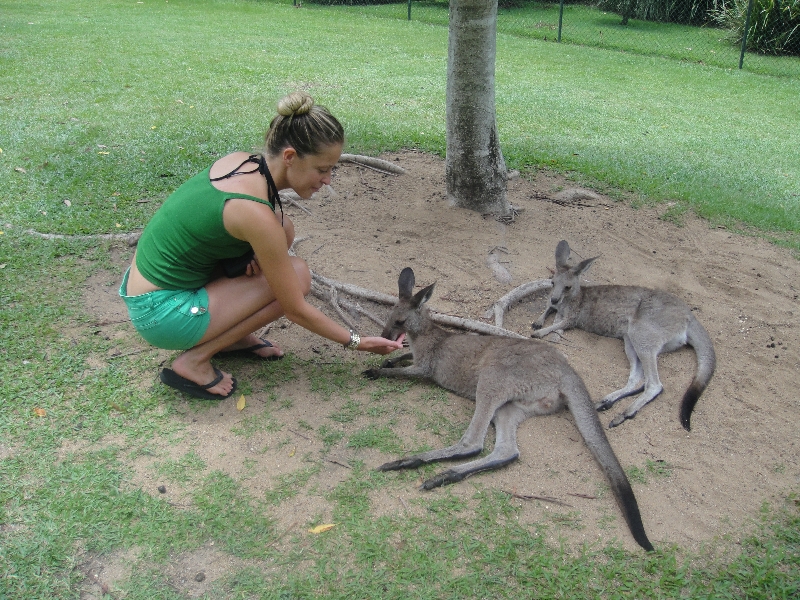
<point>130,238</point>
<point>500,307</point>
<point>474,326</point>
<point>292,198</point>
<point>331,296</point>
<point>376,164</point>
<point>323,283</point>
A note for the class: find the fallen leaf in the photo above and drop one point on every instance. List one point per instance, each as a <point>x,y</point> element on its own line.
<point>39,412</point>
<point>102,152</point>
<point>322,528</point>
<point>241,403</point>
<point>292,452</point>
<point>67,202</point>
<point>20,170</point>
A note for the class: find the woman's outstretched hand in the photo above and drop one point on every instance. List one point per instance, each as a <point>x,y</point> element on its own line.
<point>379,345</point>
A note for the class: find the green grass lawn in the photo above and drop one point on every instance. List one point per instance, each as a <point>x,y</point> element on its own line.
<point>107,106</point>
<point>112,107</point>
<point>588,26</point>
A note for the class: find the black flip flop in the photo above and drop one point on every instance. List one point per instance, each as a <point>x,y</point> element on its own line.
<point>249,351</point>
<point>172,379</point>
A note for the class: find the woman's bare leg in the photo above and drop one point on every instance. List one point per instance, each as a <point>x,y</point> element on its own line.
<point>238,307</point>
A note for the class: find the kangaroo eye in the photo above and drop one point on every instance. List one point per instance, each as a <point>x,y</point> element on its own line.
<point>567,288</point>
<point>400,323</point>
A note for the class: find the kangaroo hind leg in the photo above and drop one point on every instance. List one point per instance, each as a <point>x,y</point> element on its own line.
<point>635,378</point>
<point>506,421</point>
<point>652,386</point>
<point>470,444</point>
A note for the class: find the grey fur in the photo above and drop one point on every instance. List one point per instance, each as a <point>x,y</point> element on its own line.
<point>510,381</point>
<point>648,321</point>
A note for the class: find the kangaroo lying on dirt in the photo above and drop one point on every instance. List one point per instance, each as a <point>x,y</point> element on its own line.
<point>510,381</point>
<point>648,321</point>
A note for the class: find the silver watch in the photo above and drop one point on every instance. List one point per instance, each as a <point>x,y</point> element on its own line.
<point>355,340</point>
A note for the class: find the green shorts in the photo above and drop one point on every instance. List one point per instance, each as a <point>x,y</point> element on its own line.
<point>169,319</point>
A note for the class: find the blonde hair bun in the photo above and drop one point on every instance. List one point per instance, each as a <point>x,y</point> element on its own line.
<point>295,104</point>
<point>303,125</point>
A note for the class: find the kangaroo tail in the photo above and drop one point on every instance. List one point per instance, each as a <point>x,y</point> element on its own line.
<point>589,426</point>
<point>698,338</point>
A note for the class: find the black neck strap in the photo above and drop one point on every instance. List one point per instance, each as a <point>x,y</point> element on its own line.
<point>272,189</point>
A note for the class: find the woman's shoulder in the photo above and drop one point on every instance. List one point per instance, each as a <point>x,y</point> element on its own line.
<point>234,174</point>
<point>228,163</point>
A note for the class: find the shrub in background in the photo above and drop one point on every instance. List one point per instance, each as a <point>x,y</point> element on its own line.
<point>355,2</point>
<point>774,25</point>
<point>690,12</point>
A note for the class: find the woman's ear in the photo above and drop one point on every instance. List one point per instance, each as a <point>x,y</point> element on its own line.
<point>288,155</point>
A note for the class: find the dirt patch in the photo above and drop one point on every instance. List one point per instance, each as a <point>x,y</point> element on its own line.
<point>743,447</point>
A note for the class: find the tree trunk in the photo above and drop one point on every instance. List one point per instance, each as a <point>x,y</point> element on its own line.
<point>628,11</point>
<point>474,167</point>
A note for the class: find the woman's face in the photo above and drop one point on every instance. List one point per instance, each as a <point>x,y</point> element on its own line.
<point>308,174</point>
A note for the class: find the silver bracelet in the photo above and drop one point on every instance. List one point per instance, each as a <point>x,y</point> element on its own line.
<point>355,340</point>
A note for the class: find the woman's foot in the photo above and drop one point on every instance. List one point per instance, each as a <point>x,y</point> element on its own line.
<point>252,344</point>
<point>202,373</point>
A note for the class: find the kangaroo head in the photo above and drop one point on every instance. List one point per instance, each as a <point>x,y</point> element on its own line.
<point>566,280</point>
<point>410,314</point>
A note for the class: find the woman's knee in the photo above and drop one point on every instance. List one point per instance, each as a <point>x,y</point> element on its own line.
<point>288,230</point>
<point>303,273</point>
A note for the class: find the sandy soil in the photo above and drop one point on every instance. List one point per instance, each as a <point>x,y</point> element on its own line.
<point>743,447</point>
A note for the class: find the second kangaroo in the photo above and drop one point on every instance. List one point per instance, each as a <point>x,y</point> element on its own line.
<point>648,321</point>
<point>510,381</point>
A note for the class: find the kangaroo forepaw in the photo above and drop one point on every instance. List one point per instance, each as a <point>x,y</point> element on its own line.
<point>403,463</point>
<point>371,374</point>
<point>442,479</point>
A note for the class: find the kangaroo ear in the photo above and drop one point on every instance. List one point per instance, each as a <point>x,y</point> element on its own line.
<point>406,283</point>
<point>562,256</point>
<point>423,296</point>
<point>584,265</point>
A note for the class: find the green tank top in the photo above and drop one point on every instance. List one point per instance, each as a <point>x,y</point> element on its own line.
<point>185,239</point>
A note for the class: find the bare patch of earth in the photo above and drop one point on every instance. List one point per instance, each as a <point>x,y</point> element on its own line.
<point>743,448</point>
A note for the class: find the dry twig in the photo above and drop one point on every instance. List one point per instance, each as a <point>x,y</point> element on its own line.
<point>281,536</point>
<point>305,437</point>
<point>533,497</point>
<point>338,462</point>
